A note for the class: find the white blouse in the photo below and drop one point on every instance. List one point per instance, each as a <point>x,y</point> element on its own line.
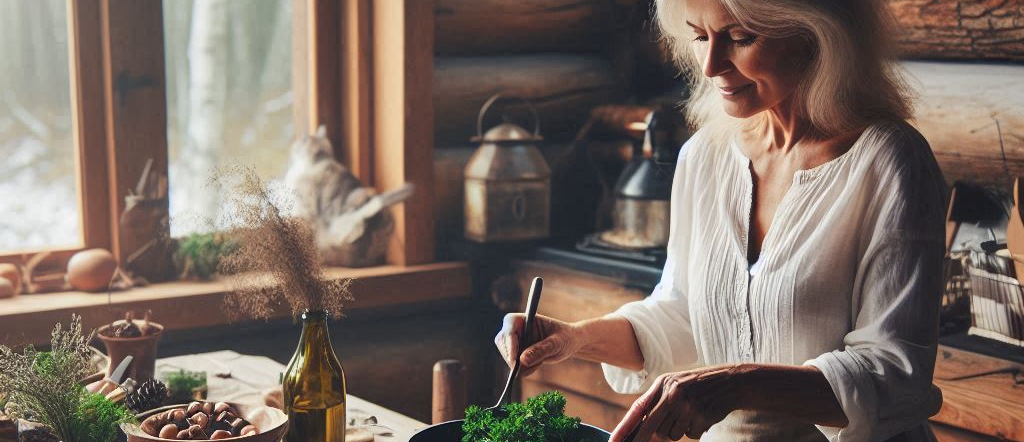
<point>849,280</point>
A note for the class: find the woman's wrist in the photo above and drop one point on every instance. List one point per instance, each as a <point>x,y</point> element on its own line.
<point>609,339</point>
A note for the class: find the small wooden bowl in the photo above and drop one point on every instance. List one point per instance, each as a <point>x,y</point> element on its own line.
<point>269,433</point>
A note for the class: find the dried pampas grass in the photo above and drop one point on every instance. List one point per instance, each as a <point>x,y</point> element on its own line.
<point>280,250</point>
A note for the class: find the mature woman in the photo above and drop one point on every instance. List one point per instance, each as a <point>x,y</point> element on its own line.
<point>800,297</point>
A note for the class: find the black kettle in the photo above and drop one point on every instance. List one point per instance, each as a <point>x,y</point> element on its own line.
<point>644,189</point>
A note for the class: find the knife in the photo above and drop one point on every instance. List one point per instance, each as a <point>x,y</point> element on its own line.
<point>117,375</point>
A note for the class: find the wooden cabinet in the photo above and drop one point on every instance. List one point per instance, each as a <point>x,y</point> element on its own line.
<point>990,406</point>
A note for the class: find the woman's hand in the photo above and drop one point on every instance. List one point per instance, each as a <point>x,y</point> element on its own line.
<point>552,341</point>
<point>683,404</point>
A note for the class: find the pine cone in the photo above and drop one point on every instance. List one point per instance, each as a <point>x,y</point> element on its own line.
<point>150,395</point>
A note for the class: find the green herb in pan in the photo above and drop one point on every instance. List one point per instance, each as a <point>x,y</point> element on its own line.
<point>541,419</point>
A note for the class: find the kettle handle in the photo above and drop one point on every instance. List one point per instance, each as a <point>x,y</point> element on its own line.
<point>498,96</point>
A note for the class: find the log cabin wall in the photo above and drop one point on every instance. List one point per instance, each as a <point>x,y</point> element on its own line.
<point>968,69</point>
<point>565,56</point>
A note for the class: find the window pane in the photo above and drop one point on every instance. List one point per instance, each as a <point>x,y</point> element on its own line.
<point>38,184</point>
<point>228,97</point>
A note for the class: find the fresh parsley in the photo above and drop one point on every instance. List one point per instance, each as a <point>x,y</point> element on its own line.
<point>541,419</point>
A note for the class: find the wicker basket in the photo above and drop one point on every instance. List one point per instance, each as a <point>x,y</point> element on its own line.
<point>982,297</point>
<point>997,307</point>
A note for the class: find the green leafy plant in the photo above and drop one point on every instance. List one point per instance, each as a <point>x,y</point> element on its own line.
<point>43,387</point>
<point>98,419</point>
<point>541,419</point>
<point>199,254</point>
<point>182,383</point>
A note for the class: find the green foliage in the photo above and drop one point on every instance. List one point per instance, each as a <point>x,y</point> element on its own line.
<point>181,383</point>
<point>541,419</point>
<point>199,254</point>
<point>98,418</point>
<point>43,386</point>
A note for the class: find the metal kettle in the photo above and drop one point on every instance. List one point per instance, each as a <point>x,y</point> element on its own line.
<point>507,183</point>
<point>644,188</point>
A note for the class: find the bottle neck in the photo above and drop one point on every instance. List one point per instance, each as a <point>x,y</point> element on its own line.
<point>315,335</point>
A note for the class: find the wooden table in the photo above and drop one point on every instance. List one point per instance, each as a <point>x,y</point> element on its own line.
<point>245,379</point>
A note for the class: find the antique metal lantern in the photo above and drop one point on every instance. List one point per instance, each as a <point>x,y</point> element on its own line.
<point>508,183</point>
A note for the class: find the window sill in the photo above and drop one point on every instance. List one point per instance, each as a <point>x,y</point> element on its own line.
<point>188,304</point>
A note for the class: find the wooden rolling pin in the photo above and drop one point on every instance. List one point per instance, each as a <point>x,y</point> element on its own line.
<point>449,394</point>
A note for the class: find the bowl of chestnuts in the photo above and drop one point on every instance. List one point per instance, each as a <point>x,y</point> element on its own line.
<point>209,421</point>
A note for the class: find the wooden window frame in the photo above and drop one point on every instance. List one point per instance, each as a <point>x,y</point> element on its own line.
<point>369,81</point>
<point>367,77</point>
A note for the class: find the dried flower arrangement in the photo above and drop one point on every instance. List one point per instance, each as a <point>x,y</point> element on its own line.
<point>44,387</point>
<point>268,241</point>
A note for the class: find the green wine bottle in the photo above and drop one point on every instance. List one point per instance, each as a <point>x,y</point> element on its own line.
<point>314,386</point>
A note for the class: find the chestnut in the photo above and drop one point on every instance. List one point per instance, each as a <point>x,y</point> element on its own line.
<point>193,408</point>
<point>208,408</point>
<point>220,434</point>
<point>249,429</point>
<point>153,424</point>
<point>176,415</point>
<point>169,431</point>
<point>200,419</point>
<point>221,407</point>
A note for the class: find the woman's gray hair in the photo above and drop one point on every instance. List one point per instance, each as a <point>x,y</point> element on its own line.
<point>852,80</point>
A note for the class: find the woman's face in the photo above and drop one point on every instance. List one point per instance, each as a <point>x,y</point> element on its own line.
<point>752,72</point>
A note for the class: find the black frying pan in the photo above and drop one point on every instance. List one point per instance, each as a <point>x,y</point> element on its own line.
<point>451,431</point>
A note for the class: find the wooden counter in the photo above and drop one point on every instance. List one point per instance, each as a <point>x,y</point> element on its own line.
<point>990,406</point>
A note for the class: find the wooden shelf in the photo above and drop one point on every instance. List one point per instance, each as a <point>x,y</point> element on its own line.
<point>29,319</point>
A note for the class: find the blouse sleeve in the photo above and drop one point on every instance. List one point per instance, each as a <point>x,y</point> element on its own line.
<point>883,377</point>
<point>661,322</point>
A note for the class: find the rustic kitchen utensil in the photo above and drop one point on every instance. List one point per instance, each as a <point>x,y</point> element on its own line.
<point>451,431</point>
<point>531,312</point>
<point>508,183</point>
<point>448,399</point>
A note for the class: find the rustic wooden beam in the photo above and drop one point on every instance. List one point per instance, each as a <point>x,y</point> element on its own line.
<point>356,89</point>
<point>136,122</point>
<point>961,29</point>
<point>186,305</point>
<point>495,27</point>
<point>300,66</point>
<point>403,120</point>
<point>966,110</point>
<point>323,41</point>
<point>87,119</point>
<point>563,88</point>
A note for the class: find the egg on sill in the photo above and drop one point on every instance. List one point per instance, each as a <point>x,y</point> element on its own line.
<point>6,289</point>
<point>91,270</point>
<point>11,274</point>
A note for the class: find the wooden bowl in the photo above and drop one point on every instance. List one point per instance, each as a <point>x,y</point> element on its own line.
<point>269,432</point>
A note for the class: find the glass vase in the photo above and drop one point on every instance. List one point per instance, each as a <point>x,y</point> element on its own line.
<point>314,386</point>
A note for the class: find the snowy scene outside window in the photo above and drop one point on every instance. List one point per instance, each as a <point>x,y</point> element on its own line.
<point>39,207</point>
<point>229,97</point>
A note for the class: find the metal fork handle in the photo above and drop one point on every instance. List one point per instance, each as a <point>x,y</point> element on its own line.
<point>531,311</point>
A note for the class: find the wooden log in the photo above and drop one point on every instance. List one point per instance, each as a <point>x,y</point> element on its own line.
<point>961,29</point>
<point>958,110</point>
<point>493,27</point>
<point>562,87</point>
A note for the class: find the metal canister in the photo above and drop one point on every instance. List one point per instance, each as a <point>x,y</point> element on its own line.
<point>508,183</point>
